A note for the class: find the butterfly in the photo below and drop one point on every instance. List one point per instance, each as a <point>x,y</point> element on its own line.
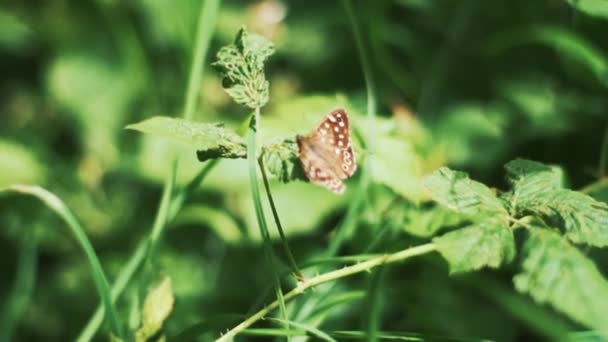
<point>326,153</point>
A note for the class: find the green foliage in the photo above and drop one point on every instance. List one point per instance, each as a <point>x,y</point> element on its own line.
<point>457,191</point>
<point>242,67</point>
<point>555,272</point>
<point>469,84</point>
<point>211,140</point>
<point>536,189</point>
<point>157,307</point>
<point>487,243</point>
<point>282,161</point>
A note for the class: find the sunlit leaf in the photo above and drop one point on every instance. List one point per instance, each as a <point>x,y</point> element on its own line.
<point>19,165</point>
<point>397,166</point>
<point>530,179</point>
<point>210,140</point>
<point>455,190</point>
<point>555,272</point>
<point>536,189</point>
<point>489,243</point>
<point>157,307</point>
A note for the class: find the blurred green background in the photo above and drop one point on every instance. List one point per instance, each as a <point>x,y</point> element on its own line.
<point>471,84</point>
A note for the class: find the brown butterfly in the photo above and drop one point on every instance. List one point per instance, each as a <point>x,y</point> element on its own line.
<point>326,153</point>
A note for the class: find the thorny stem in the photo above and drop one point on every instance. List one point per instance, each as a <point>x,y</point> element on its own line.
<point>327,277</point>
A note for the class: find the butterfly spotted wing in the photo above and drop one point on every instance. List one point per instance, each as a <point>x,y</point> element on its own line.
<point>326,153</point>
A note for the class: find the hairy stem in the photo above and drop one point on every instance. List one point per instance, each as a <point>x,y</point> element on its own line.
<point>327,277</point>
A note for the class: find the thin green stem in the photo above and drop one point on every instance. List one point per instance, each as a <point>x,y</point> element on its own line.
<point>168,208</point>
<point>99,276</point>
<point>328,277</point>
<point>275,215</point>
<point>137,258</point>
<point>206,26</point>
<point>370,85</point>
<point>348,225</point>
<point>259,210</point>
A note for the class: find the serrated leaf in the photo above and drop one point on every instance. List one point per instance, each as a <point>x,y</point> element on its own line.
<point>210,140</point>
<point>537,189</point>
<point>455,190</point>
<point>157,307</point>
<point>489,243</point>
<point>242,67</point>
<point>555,272</point>
<point>281,160</point>
<point>583,219</point>
<point>529,180</point>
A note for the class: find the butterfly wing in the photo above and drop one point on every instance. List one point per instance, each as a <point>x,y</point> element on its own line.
<point>326,153</point>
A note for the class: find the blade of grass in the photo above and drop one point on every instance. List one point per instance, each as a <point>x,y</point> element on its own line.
<point>206,27</point>
<point>259,210</point>
<point>275,215</point>
<point>101,283</point>
<point>21,293</point>
<point>137,258</point>
<point>328,277</point>
<point>374,305</point>
<point>348,225</point>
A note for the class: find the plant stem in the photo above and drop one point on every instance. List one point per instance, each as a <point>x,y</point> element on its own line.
<point>56,204</point>
<point>169,206</point>
<point>206,26</point>
<point>257,204</point>
<point>138,257</point>
<point>275,214</point>
<point>327,277</point>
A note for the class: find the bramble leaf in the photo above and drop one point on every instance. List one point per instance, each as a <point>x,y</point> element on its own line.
<point>210,140</point>
<point>489,243</point>
<point>455,190</point>
<point>555,272</point>
<point>242,67</point>
<point>537,189</point>
<point>529,180</point>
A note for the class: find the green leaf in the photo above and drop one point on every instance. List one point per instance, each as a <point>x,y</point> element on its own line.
<point>426,223</point>
<point>597,8</point>
<point>557,273</point>
<point>583,219</point>
<point>488,243</point>
<point>242,67</point>
<point>537,189</point>
<point>455,190</point>
<point>529,180</point>
<point>211,140</point>
<point>282,161</point>
<point>19,164</point>
<point>401,171</point>
<point>157,307</point>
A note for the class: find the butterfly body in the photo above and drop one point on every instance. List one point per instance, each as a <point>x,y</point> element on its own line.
<point>326,153</point>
